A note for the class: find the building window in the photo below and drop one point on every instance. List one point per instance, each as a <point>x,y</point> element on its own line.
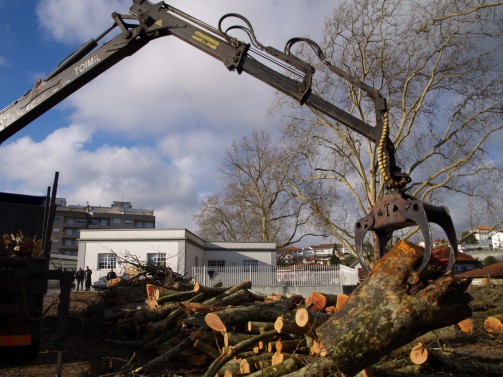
<point>196,261</point>
<point>81,221</point>
<point>138,224</point>
<point>69,221</point>
<point>156,258</point>
<point>148,225</point>
<point>117,221</point>
<point>250,262</point>
<point>216,263</point>
<point>57,219</point>
<point>106,261</point>
<point>55,230</point>
<point>127,222</point>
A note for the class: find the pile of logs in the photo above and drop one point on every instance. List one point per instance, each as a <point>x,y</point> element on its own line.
<point>394,322</point>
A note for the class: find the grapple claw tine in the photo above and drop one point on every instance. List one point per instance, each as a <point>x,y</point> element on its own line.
<point>442,217</point>
<point>419,217</point>
<point>362,226</point>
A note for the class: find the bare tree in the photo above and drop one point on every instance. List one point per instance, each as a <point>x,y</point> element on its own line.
<point>438,65</point>
<point>256,204</point>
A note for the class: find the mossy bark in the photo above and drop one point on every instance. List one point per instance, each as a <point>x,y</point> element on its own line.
<point>392,307</point>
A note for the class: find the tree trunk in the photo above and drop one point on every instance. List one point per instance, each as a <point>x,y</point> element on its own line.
<point>228,319</point>
<point>392,307</point>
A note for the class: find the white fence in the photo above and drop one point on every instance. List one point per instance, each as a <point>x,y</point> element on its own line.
<point>277,276</point>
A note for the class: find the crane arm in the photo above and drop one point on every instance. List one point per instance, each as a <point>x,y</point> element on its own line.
<point>146,22</point>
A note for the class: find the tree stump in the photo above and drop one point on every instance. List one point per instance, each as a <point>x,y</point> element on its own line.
<point>392,307</point>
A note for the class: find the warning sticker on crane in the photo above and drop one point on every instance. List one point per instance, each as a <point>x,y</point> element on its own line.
<point>206,40</point>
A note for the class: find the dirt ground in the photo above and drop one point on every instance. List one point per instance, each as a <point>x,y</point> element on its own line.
<point>87,354</point>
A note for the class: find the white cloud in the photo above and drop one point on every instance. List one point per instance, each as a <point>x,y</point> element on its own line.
<point>153,128</point>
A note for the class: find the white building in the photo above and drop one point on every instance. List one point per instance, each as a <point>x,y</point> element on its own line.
<point>180,249</point>
<point>497,240</point>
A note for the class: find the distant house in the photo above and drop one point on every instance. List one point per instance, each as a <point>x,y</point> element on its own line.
<point>497,240</point>
<point>489,274</point>
<point>290,254</point>
<point>483,235</point>
<point>464,262</point>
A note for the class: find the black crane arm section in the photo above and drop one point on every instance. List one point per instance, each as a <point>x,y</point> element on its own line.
<point>147,22</point>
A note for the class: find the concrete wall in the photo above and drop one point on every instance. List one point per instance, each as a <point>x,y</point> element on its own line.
<point>305,291</point>
<point>482,254</point>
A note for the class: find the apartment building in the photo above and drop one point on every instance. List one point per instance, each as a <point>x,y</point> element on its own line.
<point>71,219</point>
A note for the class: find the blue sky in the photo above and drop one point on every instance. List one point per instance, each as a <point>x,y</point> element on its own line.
<point>153,128</point>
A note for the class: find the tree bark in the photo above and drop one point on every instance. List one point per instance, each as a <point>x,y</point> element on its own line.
<point>228,319</point>
<point>392,307</point>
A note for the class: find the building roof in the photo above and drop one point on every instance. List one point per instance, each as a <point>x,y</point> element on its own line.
<point>289,249</point>
<point>442,253</point>
<point>482,227</point>
<point>325,246</point>
<point>494,270</point>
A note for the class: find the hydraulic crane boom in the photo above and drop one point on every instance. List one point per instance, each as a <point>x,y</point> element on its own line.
<point>148,21</point>
<point>151,21</point>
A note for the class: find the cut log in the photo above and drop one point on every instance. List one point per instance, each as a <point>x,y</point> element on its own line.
<point>232,338</point>
<point>290,345</point>
<point>330,310</point>
<point>280,369</point>
<point>215,300</point>
<point>237,317</point>
<point>277,358</point>
<point>466,325</point>
<point>341,302</point>
<point>196,307</point>
<point>318,301</point>
<point>206,335</point>
<point>206,347</point>
<point>237,298</point>
<point>162,359</point>
<point>176,297</point>
<point>152,315</point>
<point>392,307</point>
<point>285,323</point>
<point>254,363</point>
<point>494,324</point>
<point>201,288</point>
<point>159,326</point>
<point>310,319</point>
<point>231,368</point>
<point>232,351</point>
<point>256,327</point>
<point>319,367</point>
<point>421,355</point>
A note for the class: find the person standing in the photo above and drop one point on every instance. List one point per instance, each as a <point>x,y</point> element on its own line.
<point>80,275</point>
<point>111,274</point>
<point>88,278</point>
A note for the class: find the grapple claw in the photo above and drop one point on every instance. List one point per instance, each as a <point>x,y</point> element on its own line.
<point>398,210</point>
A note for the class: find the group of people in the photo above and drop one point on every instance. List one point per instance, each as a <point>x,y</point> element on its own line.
<point>83,276</point>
